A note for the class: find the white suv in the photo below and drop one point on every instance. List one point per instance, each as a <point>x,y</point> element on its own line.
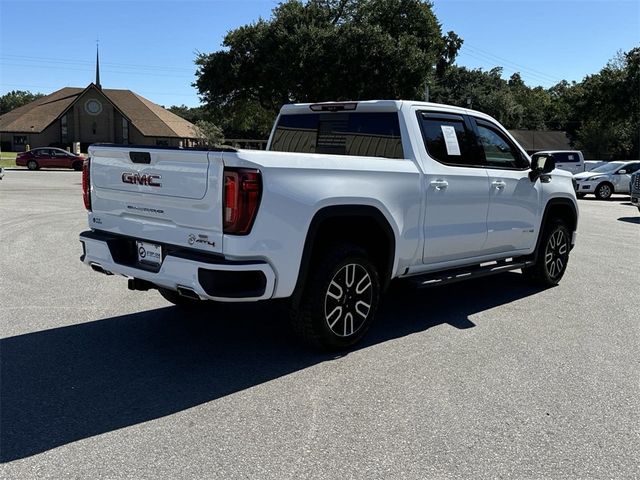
<point>607,179</point>
<point>569,160</point>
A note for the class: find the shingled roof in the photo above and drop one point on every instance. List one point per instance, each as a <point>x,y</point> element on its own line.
<point>40,113</point>
<point>150,119</point>
<point>533,140</point>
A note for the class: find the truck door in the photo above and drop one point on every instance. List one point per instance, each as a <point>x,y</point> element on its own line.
<point>514,201</point>
<point>457,189</point>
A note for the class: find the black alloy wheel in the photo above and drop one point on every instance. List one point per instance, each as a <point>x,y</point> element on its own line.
<point>552,255</point>
<point>339,300</point>
<point>556,254</point>
<point>348,300</point>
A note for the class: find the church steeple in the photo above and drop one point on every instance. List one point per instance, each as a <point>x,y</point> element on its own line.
<point>98,68</point>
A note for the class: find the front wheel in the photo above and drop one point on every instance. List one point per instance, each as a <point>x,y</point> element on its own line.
<point>32,165</point>
<point>604,191</point>
<point>339,301</point>
<point>552,256</point>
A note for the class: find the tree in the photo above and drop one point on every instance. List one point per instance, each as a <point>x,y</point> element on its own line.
<point>16,98</point>
<point>208,133</point>
<point>324,50</point>
<point>607,105</point>
<point>190,114</point>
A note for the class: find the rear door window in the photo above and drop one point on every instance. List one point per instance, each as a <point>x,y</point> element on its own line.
<point>368,134</point>
<point>448,139</point>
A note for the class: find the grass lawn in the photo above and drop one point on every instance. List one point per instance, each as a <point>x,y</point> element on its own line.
<point>7,159</point>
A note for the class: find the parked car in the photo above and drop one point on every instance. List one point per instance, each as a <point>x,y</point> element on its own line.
<point>591,164</point>
<point>607,179</point>
<point>49,157</point>
<point>634,189</point>
<point>569,160</point>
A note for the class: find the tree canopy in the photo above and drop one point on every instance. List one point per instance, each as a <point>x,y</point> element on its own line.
<point>15,99</point>
<point>325,50</point>
<point>322,50</point>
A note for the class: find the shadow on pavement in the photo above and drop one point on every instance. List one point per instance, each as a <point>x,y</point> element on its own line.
<point>630,220</point>
<point>70,383</point>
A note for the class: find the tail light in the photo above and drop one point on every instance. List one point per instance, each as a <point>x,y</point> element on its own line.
<point>86,183</point>
<point>242,192</point>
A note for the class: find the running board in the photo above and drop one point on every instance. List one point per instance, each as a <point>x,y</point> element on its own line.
<point>459,274</point>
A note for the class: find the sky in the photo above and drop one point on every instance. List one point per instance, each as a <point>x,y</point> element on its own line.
<point>149,46</point>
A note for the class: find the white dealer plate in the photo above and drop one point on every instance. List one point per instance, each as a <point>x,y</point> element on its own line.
<point>149,253</point>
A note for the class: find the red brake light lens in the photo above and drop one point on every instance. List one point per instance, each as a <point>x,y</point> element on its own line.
<point>86,183</point>
<point>241,199</point>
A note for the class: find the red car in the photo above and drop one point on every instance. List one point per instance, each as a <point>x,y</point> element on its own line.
<point>48,157</point>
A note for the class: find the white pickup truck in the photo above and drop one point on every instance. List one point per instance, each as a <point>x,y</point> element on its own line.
<point>348,197</point>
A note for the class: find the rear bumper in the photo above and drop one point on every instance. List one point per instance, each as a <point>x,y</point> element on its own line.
<point>211,277</point>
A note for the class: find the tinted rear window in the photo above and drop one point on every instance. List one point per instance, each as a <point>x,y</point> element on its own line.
<point>448,140</point>
<point>374,134</point>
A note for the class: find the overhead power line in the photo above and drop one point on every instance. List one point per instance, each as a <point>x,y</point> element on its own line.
<point>90,69</point>
<point>496,61</point>
<point>66,61</point>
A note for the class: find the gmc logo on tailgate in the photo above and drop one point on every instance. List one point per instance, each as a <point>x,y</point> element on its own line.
<point>138,179</point>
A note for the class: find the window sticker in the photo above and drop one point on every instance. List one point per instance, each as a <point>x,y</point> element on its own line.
<point>450,140</point>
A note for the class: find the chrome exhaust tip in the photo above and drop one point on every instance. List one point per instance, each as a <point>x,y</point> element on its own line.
<point>187,293</point>
<point>98,268</point>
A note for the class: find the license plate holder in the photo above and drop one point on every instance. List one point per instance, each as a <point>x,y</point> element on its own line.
<point>149,253</point>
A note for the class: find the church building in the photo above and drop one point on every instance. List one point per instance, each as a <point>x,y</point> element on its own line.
<point>93,115</point>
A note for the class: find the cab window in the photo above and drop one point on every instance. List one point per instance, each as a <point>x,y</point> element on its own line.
<point>369,134</point>
<point>448,139</point>
<point>498,150</point>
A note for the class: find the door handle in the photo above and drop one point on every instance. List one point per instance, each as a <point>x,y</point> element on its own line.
<point>498,184</point>
<point>439,184</point>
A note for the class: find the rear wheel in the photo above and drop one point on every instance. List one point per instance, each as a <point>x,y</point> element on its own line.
<point>604,191</point>
<point>77,166</point>
<point>340,299</point>
<point>32,165</point>
<point>552,256</point>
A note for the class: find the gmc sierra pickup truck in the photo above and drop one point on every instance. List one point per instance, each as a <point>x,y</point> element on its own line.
<point>348,197</point>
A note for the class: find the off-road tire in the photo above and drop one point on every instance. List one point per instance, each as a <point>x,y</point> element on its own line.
<point>339,301</point>
<point>552,255</point>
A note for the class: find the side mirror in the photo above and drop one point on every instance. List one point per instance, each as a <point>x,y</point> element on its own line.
<point>540,165</point>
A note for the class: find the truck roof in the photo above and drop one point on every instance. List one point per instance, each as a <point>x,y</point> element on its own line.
<point>374,106</point>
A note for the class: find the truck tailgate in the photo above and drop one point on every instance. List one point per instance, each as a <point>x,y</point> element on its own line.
<point>167,196</point>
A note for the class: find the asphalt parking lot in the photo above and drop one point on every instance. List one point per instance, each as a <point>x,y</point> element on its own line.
<point>484,379</point>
